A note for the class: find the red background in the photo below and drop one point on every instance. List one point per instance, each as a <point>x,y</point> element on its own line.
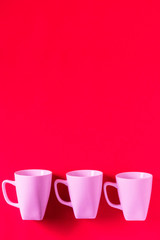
<point>79,89</point>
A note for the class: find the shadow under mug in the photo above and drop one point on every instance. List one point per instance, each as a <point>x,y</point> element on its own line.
<point>33,190</point>
<point>85,187</point>
<point>134,190</point>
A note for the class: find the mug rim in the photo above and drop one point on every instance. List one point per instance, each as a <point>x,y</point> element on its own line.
<point>141,175</point>
<point>71,173</point>
<point>22,173</point>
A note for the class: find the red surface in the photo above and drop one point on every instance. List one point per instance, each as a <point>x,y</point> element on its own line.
<point>79,88</point>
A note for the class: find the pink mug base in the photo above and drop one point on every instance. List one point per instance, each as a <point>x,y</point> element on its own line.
<point>31,216</point>
<point>135,219</point>
<point>131,218</point>
<point>35,219</point>
<point>85,217</point>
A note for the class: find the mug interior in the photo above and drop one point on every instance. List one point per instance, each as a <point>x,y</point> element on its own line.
<point>134,175</point>
<point>84,173</point>
<point>33,172</point>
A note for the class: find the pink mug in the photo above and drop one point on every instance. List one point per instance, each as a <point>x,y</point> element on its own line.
<point>85,187</point>
<point>33,190</point>
<point>134,190</point>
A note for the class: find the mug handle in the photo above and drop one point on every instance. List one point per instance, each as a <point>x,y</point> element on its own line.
<point>5,193</point>
<point>118,206</point>
<point>57,194</point>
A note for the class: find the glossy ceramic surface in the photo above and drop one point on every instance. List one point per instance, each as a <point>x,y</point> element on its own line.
<point>33,189</point>
<point>134,190</point>
<point>85,188</point>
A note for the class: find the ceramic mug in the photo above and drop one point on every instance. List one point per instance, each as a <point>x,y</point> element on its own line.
<point>33,190</point>
<point>134,190</point>
<point>85,187</point>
